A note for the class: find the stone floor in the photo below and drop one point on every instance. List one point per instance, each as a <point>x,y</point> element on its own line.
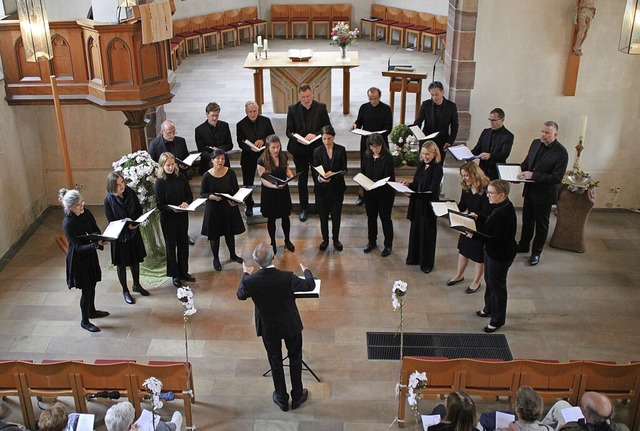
<point>571,306</point>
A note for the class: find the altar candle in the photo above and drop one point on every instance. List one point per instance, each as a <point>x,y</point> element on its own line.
<point>259,40</point>
<point>255,48</point>
<point>266,44</point>
<point>583,128</point>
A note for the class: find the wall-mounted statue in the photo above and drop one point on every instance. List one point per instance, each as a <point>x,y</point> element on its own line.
<point>585,12</point>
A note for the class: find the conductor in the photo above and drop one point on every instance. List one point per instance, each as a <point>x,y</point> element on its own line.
<point>277,318</point>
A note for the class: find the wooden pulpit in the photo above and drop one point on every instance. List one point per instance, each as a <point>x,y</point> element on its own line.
<point>404,82</point>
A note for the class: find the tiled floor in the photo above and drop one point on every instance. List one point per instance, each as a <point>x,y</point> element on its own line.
<point>571,306</point>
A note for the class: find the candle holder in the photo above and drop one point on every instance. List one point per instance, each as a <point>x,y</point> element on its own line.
<point>266,54</point>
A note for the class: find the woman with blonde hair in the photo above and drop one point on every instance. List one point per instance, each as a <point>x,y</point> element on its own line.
<point>474,201</point>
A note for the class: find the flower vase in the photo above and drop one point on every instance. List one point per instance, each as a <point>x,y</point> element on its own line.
<point>343,53</point>
<point>153,269</point>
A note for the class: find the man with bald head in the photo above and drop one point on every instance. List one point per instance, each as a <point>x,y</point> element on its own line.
<point>596,409</point>
<point>168,141</point>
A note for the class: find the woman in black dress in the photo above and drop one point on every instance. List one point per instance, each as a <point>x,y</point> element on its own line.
<point>423,231</point>
<point>498,233</point>
<point>458,415</point>
<point>474,201</point>
<point>83,267</point>
<point>329,190</point>
<point>377,164</point>
<point>221,216</point>
<point>275,200</point>
<point>172,188</point>
<point>122,202</point>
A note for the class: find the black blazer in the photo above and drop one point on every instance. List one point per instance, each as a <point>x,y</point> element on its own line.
<point>318,118</point>
<point>178,148</point>
<point>208,136</point>
<point>548,170</point>
<point>253,131</point>
<point>502,143</point>
<point>424,180</point>
<point>272,292</point>
<point>500,230</point>
<point>447,124</point>
<point>335,164</point>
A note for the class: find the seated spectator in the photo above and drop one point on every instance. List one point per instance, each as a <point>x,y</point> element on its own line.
<point>458,415</point>
<point>120,418</point>
<point>596,409</point>
<point>9,426</point>
<point>54,418</point>
<point>529,405</point>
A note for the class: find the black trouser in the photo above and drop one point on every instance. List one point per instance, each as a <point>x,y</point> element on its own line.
<point>87,302</point>
<point>302,167</point>
<point>534,217</point>
<point>330,204</point>
<point>495,295</point>
<point>294,351</point>
<point>379,204</point>
<point>176,239</point>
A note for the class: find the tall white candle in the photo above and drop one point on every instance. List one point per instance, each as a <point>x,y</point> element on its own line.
<point>583,128</point>
<point>255,48</point>
<point>266,44</point>
<point>259,40</point>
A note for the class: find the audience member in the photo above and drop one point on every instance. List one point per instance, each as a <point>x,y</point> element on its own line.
<point>120,417</point>
<point>128,250</point>
<point>305,118</point>
<point>529,405</point>
<point>221,215</point>
<point>329,189</point>
<point>212,134</point>
<point>459,414</point>
<point>439,115</point>
<point>494,144</point>
<point>426,186</point>
<point>275,199</point>
<point>545,166</point>
<point>83,267</point>
<point>597,411</point>
<point>54,418</point>
<point>277,319</point>
<point>253,128</point>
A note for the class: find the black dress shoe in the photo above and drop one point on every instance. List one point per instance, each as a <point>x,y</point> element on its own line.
<point>303,216</point>
<point>237,259</point>
<point>98,314</point>
<point>489,329</point>
<point>188,277</point>
<point>191,241</point>
<point>426,270</point>
<point>216,264</point>
<point>481,313</point>
<point>176,282</point>
<point>386,252</point>
<point>297,403</point>
<point>249,212</point>
<point>324,244</point>
<point>289,245</point>
<point>284,405</point>
<point>89,327</point>
<point>453,282</point>
<point>534,259</point>
<point>522,248</point>
<point>359,201</point>
<point>470,290</point>
<point>141,290</point>
<point>128,298</point>
<point>338,245</point>
<point>370,246</point>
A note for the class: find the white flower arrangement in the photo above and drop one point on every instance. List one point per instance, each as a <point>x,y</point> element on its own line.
<point>139,171</point>
<point>417,382</point>
<point>398,291</point>
<point>154,386</point>
<point>185,295</point>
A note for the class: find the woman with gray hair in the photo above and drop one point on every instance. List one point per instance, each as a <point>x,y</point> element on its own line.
<point>83,267</point>
<point>120,417</point>
<point>529,405</point>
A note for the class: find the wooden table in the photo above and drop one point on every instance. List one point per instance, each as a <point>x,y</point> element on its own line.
<point>287,75</point>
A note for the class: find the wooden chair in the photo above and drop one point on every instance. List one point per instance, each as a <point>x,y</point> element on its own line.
<point>552,380</point>
<point>409,18</point>
<point>377,12</point>
<point>250,15</point>
<point>94,378</point>
<point>216,21</point>
<point>182,29</point>
<point>233,17</point>
<point>340,12</point>
<point>300,14</point>
<point>437,32</point>
<point>488,378</point>
<point>49,380</point>
<point>208,34</point>
<point>425,21</point>
<point>10,387</point>
<point>280,16</point>
<point>392,15</point>
<point>321,15</point>
<point>174,378</point>
<point>443,377</point>
<point>200,27</point>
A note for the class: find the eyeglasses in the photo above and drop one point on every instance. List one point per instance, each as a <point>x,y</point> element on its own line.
<point>490,193</point>
<point>494,119</point>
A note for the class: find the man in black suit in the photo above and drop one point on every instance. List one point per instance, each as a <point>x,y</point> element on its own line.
<point>545,165</point>
<point>277,319</point>
<point>305,118</point>
<point>439,115</point>
<point>255,128</point>
<point>494,144</point>
<point>168,141</point>
<point>212,134</point>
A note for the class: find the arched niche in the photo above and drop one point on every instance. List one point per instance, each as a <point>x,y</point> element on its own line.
<point>95,61</point>
<point>27,71</point>
<point>119,63</point>
<point>62,65</point>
